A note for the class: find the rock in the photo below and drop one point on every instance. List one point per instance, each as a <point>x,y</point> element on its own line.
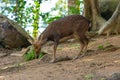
<point>12,35</point>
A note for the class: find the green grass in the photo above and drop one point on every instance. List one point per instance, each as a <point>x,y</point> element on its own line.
<point>100,47</point>
<point>89,77</point>
<point>31,55</point>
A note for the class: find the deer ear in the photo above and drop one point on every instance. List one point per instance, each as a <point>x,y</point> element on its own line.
<point>38,40</point>
<point>41,37</point>
<point>34,42</point>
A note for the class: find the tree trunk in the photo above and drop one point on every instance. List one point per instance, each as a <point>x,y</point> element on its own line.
<point>91,11</point>
<point>97,20</point>
<point>98,11</point>
<point>112,24</point>
<point>87,10</point>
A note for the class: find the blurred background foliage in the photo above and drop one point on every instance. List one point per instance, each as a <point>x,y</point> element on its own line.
<point>30,15</point>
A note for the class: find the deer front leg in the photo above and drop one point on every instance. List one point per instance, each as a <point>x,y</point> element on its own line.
<point>54,53</point>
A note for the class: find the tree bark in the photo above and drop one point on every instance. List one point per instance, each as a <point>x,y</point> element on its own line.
<point>87,10</point>
<point>107,8</point>
<point>91,9</point>
<point>97,20</point>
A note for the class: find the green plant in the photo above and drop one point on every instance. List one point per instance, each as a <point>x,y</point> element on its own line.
<point>41,55</point>
<point>31,55</point>
<point>102,79</point>
<point>100,47</point>
<point>89,77</point>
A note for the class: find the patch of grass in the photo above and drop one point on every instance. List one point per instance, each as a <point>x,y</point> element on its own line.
<point>75,45</point>
<point>102,79</point>
<point>89,77</point>
<point>31,55</point>
<point>108,43</point>
<point>100,47</point>
<point>41,55</point>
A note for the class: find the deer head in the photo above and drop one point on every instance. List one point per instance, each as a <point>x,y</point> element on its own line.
<point>37,46</point>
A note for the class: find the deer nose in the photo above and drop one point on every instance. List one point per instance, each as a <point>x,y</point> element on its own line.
<point>37,55</point>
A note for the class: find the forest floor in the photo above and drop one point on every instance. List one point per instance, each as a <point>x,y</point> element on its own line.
<point>101,61</point>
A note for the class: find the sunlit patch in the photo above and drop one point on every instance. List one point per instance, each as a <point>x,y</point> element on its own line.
<point>88,59</point>
<point>117,61</point>
<point>2,77</point>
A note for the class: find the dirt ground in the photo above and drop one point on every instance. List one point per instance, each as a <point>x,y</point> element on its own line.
<point>100,62</point>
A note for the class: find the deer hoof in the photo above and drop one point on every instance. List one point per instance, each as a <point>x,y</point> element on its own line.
<point>76,57</point>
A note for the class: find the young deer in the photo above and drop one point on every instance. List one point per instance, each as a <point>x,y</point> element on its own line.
<point>73,25</point>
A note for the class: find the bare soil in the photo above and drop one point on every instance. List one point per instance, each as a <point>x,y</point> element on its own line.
<point>101,61</point>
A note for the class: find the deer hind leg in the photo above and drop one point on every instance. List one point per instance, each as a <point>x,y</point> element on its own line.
<point>83,44</point>
<point>86,41</point>
<point>81,51</point>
